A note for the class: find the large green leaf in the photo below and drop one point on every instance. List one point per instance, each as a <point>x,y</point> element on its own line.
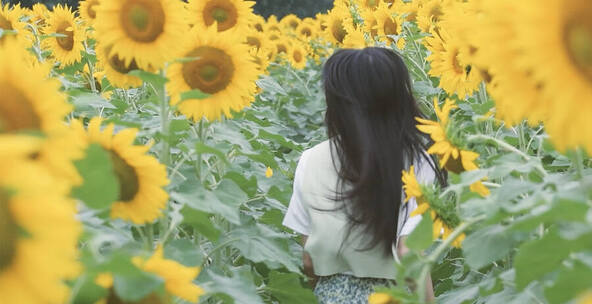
<point>100,186</point>
<point>287,288</point>
<point>487,245</point>
<point>238,288</point>
<point>422,236</point>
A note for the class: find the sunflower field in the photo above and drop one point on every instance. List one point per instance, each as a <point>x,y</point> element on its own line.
<point>148,147</point>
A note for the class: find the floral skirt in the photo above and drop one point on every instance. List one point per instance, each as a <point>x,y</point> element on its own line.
<point>346,289</point>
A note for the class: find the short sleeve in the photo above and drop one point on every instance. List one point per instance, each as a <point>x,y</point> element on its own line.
<point>297,217</point>
<point>425,174</point>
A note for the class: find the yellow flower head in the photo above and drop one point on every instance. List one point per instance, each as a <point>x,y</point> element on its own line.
<point>227,15</point>
<point>381,298</point>
<point>268,172</point>
<point>141,177</point>
<point>177,277</point>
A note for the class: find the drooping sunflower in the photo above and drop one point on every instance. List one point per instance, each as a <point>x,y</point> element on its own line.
<point>229,15</point>
<point>298,56</point>
<point>40,110</point>
<point>452,158</point>
<point>68,46</point>
<point>36,216</point>
<point>9,21</point>
<point>560,62</point>
<point>443,216</point>
<point>115,69</point>
<point>448,61</point>
<point>141,177</point>
<point>147,31</point>
<point>429,14</point>
<point>220,69</point>
<point>388,25</point>
<point>87,11</point>
<point>290,22</point>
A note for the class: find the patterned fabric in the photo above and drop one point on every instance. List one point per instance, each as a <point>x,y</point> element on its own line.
<point>346,289</point>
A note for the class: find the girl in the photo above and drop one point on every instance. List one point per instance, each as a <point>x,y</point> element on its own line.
<point>348,199</point>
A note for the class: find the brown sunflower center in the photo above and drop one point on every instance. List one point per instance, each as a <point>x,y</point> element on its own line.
<point>454,165</point>
<point>221,11</point>
<point>4,23</point>
<point>390,27</point>
<point>67,42</point>
<point>129,184</point>
<point>458,68</point>
<point>212,72</point>
<point>152,298</point>
<point>306,32</point>
<point>579,45</point>
<point>338,30</point>
<point>372,3</point>
<point>119,65</point>
<point>143,20</point>
<point>9,232</point>
<point>254,41</point>
<point>16,111</point>
<point>436,13</point>
<point>282,48</point>
<point>293,24</point>
<point>90,10</point>
<point>258,27</point>
<point>297,56</point>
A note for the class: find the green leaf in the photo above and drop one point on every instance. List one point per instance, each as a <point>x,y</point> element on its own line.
<point>239,287</point>
<point>201,222</point>
<point>129,282</point>
<point>561,210</point>
<point>183,251</point>
<point>100,187</point>
<point>286,288</point>
<point>422,236</point>
<point>487,245</point>
<point>539,257</point>
<point>571,281</point>
<point>269,85</point>
<point>156,80</point>
<point>193,94</point>
<point>204,149</point>
<point>88,292</point>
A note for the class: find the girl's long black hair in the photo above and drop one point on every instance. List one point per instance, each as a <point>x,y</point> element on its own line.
<point>370,121</point>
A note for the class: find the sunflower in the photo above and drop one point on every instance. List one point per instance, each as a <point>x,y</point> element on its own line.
<point>257,40</point>
<point>147,31</point>
<point>141,177</point>
<point>452,158</point>
<point>443,216</point>
<point>560,62</point>
<point>336,24</point>
<point>257,23</point>
<point>381,298</point>
<point>261,57</point>
<point>387,25</point>
<point>220,69</point>
<point>272,24</point>
<point>367,4</point>
<point>68,46</point>
<point>516,93</point>
<point>355,39</point>
<point>177,277</point>
<point>39,14</point>
<point>9,21</point>
<point>370,22</point>
<point>306,30</point>
<point>40,110</point>
<point>232,15</point>
<point>115,69</point>
<point>290,22</point>
<point>448,61</point>
<point>429,14</point>
<point>35,217</point>
<point>87,11</point>
<point>408,10</point>
<point>298,56</point>
<point>585,297</point>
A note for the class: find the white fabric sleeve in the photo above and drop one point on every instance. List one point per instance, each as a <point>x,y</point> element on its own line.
<point>425,175</point>
<point>297,217</point>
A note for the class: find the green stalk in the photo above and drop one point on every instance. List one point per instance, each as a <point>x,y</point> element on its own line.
<point>578,161</point>
<point>433,257</point>
<point>165,153</point>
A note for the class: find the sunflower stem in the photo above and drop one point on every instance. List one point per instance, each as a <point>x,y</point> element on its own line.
<point>165,154</point>
<point>91,70</point>
<point>200,136</point>
<point>578,160</point>
<point>434,255</point>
